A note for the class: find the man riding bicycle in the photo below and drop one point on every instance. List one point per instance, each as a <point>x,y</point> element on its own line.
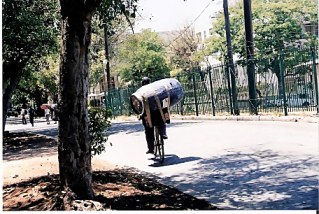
<point>156,120</point>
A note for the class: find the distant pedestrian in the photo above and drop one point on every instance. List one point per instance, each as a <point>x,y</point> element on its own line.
<point>31,115</point>
<point>47,115</point>
<point>23,114</point>
<point>54,113</point>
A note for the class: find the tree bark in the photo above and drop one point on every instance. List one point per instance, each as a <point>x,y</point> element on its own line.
<point>10,83</point>
<point>276,70</point>
<point>250,57</point>
<point>74,149</point>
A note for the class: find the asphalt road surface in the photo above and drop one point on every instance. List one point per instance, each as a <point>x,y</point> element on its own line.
<point>232,164</point>
<point>14,124</point>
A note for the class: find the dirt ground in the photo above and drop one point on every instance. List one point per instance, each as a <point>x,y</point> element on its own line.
<point>31,182</point>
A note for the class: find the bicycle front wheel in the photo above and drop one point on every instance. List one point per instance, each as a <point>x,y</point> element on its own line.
<point>161,149</point>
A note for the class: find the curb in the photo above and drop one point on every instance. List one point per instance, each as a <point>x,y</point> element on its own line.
<point>306,119</point>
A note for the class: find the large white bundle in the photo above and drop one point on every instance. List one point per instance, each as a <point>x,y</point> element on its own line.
<point>161,89</point>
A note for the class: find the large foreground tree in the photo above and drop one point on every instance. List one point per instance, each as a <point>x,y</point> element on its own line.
<point>74,147</point>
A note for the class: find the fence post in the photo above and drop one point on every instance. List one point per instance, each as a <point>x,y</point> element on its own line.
<point>211,90</point>
<point>281,67</point>
<point>111,102</point>
<point>106,95</point>
<point>120,101</point>
<point>180,105</point>
<point>314,68</point>
<point>195,94</point>
<point>229,89</point>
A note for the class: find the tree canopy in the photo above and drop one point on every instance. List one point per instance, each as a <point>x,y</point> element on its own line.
<point>117,31</point>
<point>142,54</point>
<point>276,24</point>
<point>184,51</point>
<point>38,82</point>
<point>29,32</point>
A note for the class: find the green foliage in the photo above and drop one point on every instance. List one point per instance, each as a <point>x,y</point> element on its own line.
<point>97,67</point>
<point>110,11</point>
<point>176,72</point>
<point>115,16</point>
<point>117,29</point>
<point>37,83</point>
<point>276,25</point>
<point>30,30</point>
<point>142,55</point>
<point>48,75</point>
<point>98,123</point>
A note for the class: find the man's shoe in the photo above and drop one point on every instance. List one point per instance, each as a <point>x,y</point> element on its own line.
<point>164,136</point>
<point>150,152</point>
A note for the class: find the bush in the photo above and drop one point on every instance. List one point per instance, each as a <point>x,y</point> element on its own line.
<point>98,124</point>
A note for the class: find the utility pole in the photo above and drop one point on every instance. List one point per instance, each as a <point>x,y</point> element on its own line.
<point>230,67</point>
<point>250,57</point>
<point>107,57</point>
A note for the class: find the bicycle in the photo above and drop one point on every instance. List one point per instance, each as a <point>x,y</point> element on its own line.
<point>158,145</point>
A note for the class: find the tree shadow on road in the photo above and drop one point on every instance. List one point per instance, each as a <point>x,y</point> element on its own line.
<point>136,126</point>
<point>18,120</point>
<point>171,159</point>
<point>13,120</point>
<point>21,145</point>
<point>50,131</point>
<point>261,180</point>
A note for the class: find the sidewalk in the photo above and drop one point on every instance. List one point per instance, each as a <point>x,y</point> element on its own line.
<point>30,159</point>
<point>22,170</point>
<point>301,117</point>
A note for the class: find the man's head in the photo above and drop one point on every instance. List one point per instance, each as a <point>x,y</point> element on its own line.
<point>146,80</point>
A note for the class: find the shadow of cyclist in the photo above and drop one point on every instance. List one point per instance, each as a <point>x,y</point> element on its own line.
<point>171,159</point>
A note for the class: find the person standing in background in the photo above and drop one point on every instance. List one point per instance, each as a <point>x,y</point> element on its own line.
<point>31,115</point>
<point>23,113</point>
<point>47,115</point>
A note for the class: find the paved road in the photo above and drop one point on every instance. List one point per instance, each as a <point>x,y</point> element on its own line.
<point>232,164</point>
<point>14,124</point>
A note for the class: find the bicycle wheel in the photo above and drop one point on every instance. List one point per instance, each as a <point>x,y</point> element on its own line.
<point>161,149</point>
<point>156,150</point>
<point>159,146</point>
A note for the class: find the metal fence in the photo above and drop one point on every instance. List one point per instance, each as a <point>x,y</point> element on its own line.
<point>286,83</point>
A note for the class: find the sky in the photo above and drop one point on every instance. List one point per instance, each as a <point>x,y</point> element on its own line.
<point>166,15</point>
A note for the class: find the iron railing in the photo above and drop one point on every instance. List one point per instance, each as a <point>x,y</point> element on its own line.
<point>285,83</point>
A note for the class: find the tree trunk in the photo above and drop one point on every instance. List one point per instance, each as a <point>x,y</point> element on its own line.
<point>38,97</point>
<point>74,148</point>
<point>276,70</point>
<point>11,85</point>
